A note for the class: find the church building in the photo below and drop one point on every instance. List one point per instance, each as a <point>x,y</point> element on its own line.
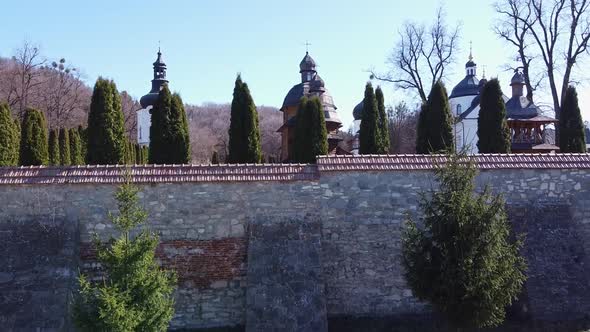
<point>311,85</point>
<point>530,130</point>
<point>144,117</point>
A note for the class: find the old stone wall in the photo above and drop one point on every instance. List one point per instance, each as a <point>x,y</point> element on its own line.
<point>212,232</point>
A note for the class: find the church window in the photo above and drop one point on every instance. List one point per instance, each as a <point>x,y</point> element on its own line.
<point>458,109</point>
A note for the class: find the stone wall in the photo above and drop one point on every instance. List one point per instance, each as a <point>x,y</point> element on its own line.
<point>224,237</point>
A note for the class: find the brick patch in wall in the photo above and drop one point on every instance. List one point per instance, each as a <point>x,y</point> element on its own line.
<point>198,263</point>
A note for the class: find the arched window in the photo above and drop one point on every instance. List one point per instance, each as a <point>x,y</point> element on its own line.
<point>458,109</point>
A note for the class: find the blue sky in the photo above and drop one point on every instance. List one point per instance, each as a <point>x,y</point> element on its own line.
<point>205,43</point>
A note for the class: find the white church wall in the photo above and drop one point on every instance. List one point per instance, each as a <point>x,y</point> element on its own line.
<point>144,121</point>
<point>464,101</point>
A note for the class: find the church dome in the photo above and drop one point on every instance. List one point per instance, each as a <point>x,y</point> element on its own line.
<point>518,78</point>
<point>470,64</point>
<point>469,86</point>
<point>149,100</point>
<point>307,64</point>
<point>357,112</point>
<point>317,85</point>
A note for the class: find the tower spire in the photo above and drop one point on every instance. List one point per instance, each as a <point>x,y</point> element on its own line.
<point>470,50</point>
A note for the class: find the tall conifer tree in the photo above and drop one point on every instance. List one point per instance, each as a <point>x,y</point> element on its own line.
<point>54,156</point>
<point>572,138</point>
<point>105,133</point>
<point>369,133</point>
<point>135,293</point>
<point>9,137</point>
<point>244,134</point>
<point>64,147</point>
<point>75,147</point>
<point>492,130</point>
<point>179,134</point>
<point>435,123</point>
<point>384,142</point>
<point>159,129</point>
<point>82,132</point>
<point>461,256</point>
<point>311,138</point>
<point>33,146</point>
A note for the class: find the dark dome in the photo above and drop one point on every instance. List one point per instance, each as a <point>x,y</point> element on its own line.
<point>307,64</point>
<point>317,85</point>
<point>469,86</point>
<point>470,63</point>
<point>519,107</point>
<point>149,100</point>
<point>305,89</point>
<point>518,78</point>
<point>357,112</point>
<point>159,62</point>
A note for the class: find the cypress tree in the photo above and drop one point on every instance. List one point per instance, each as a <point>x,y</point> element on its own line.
<point>83,143</point>
<point>180,140</point>
<point>106,130</point>
<point>54,156</point>
<point>311,138</point>
<point>571,128</point>
<point>435,123</point>
<point>462,259</point>
<point>145,154</point>
<point>244,135</point>
<point>159,130</point>
<point>64,147</point>
<point>369,133</point>
<point>9,138</point>
<point>215,158</point>
<point>422,144</point>
<point>492,130</point>
<point>135,293</point>
<point>33,146</point>
<point>137,151</point>
<point>75,147</point>
<point>17,127</point>
<point>383,123</point>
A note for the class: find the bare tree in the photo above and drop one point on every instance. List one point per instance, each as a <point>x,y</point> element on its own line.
<point>130,106</point>
<point>26,75</point>
<point>62,95</point>
<point>560,30</point>
<point>514,31</point>
<point>422,55</point>
<point>402,128</point>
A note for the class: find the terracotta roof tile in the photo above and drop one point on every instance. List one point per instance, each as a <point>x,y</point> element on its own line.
<point>276,172</point>
<point>157,173</point>
<point>426,162</point>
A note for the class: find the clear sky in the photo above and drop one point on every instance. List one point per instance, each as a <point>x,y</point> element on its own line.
<point>205,43</point>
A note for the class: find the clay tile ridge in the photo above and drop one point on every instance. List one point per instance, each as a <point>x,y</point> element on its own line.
<point>157,173</point>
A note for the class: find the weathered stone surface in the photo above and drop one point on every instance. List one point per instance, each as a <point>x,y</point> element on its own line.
<point>353,233</point>
<point>285,286</point>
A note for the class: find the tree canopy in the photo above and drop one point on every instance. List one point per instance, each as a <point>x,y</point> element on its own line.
<point>33,143</point>
<point>435,123</point>
<point>492,129</point>
<point>105,133</point>
<point>244,134</point>
<point>460,256</point>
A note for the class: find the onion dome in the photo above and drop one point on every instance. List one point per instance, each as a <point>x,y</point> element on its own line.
<point>357,112</point>
<point>317,85</point>
<point>307,64</point>
<point>517,79</point>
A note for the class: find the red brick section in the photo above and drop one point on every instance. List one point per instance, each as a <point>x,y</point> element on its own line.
<point>198,263</point>
<point>427,162</point>
<point>276,172</point>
